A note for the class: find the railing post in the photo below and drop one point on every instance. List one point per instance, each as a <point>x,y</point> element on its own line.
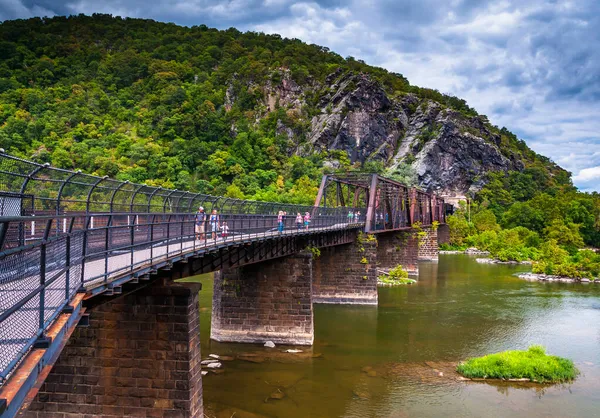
<point>181,235</point>
<point>168,233</point>
<point>152,239</point>
<point>106,244</point>
<point>43,341</point>
<point>88,220</point>
<point>132,238</point>
<point>68,261</point>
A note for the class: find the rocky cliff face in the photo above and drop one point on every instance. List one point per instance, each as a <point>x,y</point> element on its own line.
<point>450,152</point>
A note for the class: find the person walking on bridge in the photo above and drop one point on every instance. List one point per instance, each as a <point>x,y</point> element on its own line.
<point>306,220</point>
<point>280,221</point>
<point>299,221</point>
<point>199,221</point>
<point>214,224</point>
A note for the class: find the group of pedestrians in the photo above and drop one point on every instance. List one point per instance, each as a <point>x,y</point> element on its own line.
<point>301,221</point>
<point>218,227</point>
<point>214,222</point>
<point>353,216</point>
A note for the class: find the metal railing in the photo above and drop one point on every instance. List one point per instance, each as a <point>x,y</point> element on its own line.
<point>63,231</point>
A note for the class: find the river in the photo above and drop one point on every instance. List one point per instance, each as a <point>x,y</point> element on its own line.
<point>396,359</point>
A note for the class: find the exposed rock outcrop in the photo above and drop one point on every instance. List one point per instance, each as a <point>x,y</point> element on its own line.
<point>450,152</point>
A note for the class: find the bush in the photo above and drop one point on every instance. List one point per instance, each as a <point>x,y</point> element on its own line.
<point>533,364</point>
<point>396,276</point>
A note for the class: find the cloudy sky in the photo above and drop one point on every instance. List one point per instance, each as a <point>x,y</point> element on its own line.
<point>530,65</point>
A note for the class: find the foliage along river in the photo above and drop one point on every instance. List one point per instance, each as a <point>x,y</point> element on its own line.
<point>387,361</point>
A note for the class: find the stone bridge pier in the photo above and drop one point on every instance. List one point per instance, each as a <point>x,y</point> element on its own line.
<point>407,248</point>
<point>267,301</point>
<point>347,274</point>
<point>139,356</point>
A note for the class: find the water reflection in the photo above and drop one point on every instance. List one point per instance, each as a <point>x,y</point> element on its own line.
<point>457,309</point>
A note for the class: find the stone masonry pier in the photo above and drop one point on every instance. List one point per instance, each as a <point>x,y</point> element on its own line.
<point>428,244</point>
<point>399,248</point>
<point>140,356</point>
<point>268,301</point>
<point>347,274</point>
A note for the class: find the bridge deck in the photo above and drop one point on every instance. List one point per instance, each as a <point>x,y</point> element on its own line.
<point>20,327</point>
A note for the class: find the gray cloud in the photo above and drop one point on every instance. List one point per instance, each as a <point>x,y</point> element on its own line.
<point>530,65</point>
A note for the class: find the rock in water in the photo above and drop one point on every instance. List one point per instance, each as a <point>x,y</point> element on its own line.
<point>270,344</point>
<point>278,394</point>
<point>292,351</point>
<point>215,356</point>
<point>214,365</point>
<point>208,361</point>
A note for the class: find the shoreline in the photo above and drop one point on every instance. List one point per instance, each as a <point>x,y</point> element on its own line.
<point>496,261</point>
<point>540,277</point>
<point>468,251</point>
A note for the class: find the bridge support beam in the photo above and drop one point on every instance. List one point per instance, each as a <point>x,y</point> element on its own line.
<point>399,248</point>
<point>140,356</point>
<point>347,274</point>
<point>268,301</point>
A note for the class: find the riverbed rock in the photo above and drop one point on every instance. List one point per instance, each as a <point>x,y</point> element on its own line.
<point>215,356</point>
<point>278,394</point>
<point>214,365</point>
<point>208,361</point>
<point>361,394</point>
<point>494,261</point>
<point>550,278</point>
<point>270,344</point>
<point>252,358</point>
<point>293,351</point>
<point>475,251</point>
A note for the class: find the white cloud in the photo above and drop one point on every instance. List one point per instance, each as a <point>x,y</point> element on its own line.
<point>587,174</point>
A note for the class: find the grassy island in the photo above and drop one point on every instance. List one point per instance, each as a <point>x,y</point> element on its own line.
<point>533,364</point>
<point>396,276</point>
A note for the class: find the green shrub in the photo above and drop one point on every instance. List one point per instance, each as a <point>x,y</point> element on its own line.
<point>396,276</point>
<point>533,364</point>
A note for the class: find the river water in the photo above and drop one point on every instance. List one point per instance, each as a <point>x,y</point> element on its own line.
<point>397,359</point>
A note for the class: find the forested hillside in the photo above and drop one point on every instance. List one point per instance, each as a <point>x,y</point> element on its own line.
<point>254,116</point>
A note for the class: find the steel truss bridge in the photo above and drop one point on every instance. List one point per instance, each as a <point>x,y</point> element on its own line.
<point>67,236</point>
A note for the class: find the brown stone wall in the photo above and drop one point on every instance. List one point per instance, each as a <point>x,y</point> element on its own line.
<point>443,234</point>
<point>347,274</point>
<point>428,245</point>
<point>140,356</point>
<point>399,248</point>
<point>268,301</point>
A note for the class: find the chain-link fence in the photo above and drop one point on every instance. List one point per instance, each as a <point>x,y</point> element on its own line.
<point>64,231</point>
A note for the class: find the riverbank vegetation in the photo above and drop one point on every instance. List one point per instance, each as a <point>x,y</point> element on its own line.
<point>524,216</point>
<point>533,364</point>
